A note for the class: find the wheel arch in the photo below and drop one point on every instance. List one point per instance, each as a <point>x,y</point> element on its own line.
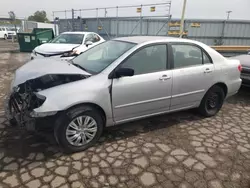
<point>97,107</point>
<point>223,86</point>
<point>220,84</point>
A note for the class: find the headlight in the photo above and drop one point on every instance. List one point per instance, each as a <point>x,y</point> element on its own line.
<point>34,52</point>
<point>41,97</point>
<point>71,53</point>
<point>12,83</point>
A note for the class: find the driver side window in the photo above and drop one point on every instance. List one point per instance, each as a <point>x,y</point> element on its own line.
<point>148,60</point>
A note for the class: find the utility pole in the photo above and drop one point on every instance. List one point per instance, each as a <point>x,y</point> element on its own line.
<point>73,19</point>
<point>106,12</point>
<point>228,14</point>
<point>182,18</point>
<point>141,21</point>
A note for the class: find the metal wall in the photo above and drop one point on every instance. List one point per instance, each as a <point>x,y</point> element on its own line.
<point>211,32</point>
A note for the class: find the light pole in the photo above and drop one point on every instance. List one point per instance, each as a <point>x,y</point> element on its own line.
<point>182,18</point>
<point>228,14</point>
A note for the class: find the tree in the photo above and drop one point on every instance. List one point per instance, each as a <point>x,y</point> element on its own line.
<point>39,16</point>
<point>14,21</point>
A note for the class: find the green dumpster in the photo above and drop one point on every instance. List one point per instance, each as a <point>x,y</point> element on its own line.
<point>28,41</point>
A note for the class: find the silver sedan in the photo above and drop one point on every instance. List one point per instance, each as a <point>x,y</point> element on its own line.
<point>119,81</point>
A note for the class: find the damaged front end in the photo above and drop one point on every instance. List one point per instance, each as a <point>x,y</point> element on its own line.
<point>25,97</point>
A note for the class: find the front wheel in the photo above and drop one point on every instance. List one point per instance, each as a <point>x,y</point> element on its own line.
<point>79,129</point>
<point>5,37</point>
<point>212,101</point>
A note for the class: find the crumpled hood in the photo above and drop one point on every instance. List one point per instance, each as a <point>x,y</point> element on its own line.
<point>244,60</point>
<point>53,48</point>
<point>40,67</point>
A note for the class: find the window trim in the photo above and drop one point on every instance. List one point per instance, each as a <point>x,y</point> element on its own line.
<point>139,49</point>
<point>189,44</point>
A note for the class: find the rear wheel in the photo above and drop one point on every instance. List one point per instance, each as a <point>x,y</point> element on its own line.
<point>78,129</point>
<point>212,101</point>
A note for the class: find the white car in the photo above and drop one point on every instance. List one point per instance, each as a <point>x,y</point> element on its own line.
<point>67,45</point>
<point>12,31</point>
<point>3,33</point>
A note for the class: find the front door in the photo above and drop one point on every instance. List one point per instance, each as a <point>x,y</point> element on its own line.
<point>192,75</point>
<point>1,33</point>
<point>148,91</point>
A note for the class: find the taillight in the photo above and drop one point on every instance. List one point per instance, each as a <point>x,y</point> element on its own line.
<point>240,67</point>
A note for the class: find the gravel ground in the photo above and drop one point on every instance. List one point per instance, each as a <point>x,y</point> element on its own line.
<point>180,150</point>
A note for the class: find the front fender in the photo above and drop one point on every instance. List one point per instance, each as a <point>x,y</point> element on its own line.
<point>63,97</point>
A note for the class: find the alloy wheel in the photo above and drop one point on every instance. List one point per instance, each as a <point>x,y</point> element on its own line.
<point>81,130</point>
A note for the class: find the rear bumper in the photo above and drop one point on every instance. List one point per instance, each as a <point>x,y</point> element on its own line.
<point>234,87</point>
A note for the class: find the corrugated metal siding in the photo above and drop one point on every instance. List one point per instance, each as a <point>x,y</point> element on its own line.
<point>206,29</point>
<point>209,32</point>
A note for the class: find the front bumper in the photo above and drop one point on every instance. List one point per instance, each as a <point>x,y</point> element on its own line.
<point>11,35</point>
<point>29,120</point>
<point>57,57</point>
<point>13,112</point>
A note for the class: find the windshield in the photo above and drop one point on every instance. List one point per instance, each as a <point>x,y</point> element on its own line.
<point>69,39</point>
<point>99,57</point>
<point>11,29</point>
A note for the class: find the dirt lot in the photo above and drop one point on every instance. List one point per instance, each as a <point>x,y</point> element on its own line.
<point>8,45</point>
<point>180,150</point>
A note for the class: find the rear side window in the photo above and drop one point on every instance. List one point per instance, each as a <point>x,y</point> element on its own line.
<point>186,55</point>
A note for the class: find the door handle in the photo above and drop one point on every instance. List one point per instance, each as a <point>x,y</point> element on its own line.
<point>207,70</point>
<point>164,77</point>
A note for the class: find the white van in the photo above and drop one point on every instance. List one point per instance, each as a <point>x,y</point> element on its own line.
<point>3,33</point>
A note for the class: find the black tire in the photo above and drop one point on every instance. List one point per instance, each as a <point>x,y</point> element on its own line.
<point>5,37</point>
<point>209,108</point>
<point>64,120</point>
<point>13,122</point>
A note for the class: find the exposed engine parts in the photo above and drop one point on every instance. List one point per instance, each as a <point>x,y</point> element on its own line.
<point>48,81</point>
<point>24,98</point>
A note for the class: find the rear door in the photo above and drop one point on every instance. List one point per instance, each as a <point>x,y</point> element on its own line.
<point>149,90</point>
<point>193,73</point>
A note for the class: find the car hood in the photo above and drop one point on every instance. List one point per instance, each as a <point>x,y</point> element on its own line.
<point>244,60</point>
<point>40,67</point>
<point>11,32</point>
<point>53,48</point>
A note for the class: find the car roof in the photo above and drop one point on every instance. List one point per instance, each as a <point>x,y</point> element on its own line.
<point>144,39</point>
<point>76,32</point>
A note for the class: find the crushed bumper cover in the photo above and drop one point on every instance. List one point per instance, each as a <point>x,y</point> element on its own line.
<point>13,112</point>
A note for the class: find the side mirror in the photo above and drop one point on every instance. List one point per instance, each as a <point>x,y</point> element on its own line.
<point>88,43</point>
<point>121,72</point>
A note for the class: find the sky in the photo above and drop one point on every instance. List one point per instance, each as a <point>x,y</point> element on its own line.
<point>196,9</point>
